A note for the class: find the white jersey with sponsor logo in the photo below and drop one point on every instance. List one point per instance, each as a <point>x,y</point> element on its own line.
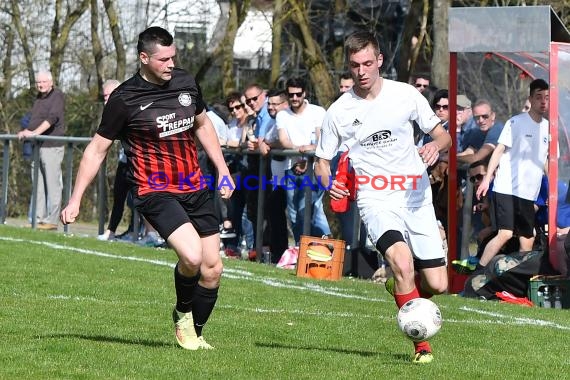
<point>522,164</point>
<point>380,136</point>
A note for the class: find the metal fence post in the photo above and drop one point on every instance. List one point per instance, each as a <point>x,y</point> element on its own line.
<point>5,170</point>
<point>308,212</point>
<point>260,208</point>
<point>35,176</point>
<point>68,178</point>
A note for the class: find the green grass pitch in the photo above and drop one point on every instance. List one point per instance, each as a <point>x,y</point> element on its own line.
<point>77,308</point>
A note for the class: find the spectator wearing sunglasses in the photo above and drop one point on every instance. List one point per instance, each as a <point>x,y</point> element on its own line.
<point>440,105</point>
<point>299,128</point>
<point>421,82</point>
<point>482,213</point>
<point>232,209</point>
<point>256,98</point>
<point>480,142</point>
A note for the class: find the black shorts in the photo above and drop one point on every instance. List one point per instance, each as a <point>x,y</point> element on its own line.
<point>168,211</point>
<point>514,214</point>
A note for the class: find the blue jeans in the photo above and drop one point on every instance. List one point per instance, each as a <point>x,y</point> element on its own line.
<point>295,186</point>
<point>247,230</point>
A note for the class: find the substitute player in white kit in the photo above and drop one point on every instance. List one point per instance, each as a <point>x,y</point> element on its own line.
<point>518,163</point>
<point>394,197</point>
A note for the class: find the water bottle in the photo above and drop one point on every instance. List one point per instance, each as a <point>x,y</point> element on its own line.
<point>314,138</point>
<point>342,176</point>
<point>557,298</point>
<point>266,255</point>
<point>243,249</point>
<point>546,303</point>
<point>222,250</point>
<point>250,132</point>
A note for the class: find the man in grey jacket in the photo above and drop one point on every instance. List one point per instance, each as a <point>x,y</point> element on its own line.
<point>47,119</point>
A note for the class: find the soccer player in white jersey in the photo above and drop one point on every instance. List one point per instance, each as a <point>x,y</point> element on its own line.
<point>520,160</point>
<point>393,195</point>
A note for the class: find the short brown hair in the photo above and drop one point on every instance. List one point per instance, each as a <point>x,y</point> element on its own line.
<point>358,41</point>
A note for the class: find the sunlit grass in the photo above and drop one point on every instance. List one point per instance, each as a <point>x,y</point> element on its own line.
<point>74,307</point>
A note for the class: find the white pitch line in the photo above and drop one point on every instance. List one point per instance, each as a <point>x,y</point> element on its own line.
<point>73,298</point>
<point>511,321</point>
<point>515,320</point>
<point>239,274</point>
<point>337,292</point>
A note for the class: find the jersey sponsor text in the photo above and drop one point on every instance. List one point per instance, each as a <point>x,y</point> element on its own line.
<point>170,127</point>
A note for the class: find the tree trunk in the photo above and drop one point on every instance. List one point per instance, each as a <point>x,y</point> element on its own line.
<point>60,34</point>
<point>96,46</point>
<point>340,9</point>
<point>113,17</point>
<point>7,70</point>
<point>17,22</point>
<point>227,49</point>
<point>409,53</point>
<point>440,61</point>
<point>313,56</point>
<point>237,13</point>
<point>276,42</point>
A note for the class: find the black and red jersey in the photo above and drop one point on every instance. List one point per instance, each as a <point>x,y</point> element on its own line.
<point>155,126</point>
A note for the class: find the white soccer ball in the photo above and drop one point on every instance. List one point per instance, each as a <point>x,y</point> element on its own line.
<point>419,319</point>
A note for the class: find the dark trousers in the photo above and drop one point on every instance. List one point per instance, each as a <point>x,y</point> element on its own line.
<point>120,192</point>
<point>277,222</point>
<point>275,235</point>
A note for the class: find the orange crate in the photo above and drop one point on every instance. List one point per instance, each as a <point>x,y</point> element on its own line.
<point>322,259</point>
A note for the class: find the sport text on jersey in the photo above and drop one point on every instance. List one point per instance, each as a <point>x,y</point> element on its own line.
<point>380,182</point>
<point>171,126</point>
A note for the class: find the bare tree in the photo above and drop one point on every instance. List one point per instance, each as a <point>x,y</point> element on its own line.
<point>233,14</point>
<point>340,9</point>
<point>278,19</point>
<point>120,52</point>
<point>62,24</point>
<point>7,71</point>
<point>237,13</point>
<point>314,58</point>
<point>416,23</point>
<point>18,24</point>
<point>96,43</point>
<point>440,61</point>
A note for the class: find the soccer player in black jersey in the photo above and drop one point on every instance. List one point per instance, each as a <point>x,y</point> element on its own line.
<point>158,115</point>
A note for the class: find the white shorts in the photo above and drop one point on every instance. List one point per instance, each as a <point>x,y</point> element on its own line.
<point>418,226</point>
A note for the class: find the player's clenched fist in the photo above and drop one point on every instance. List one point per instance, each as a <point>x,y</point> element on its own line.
<point>69,214</point>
